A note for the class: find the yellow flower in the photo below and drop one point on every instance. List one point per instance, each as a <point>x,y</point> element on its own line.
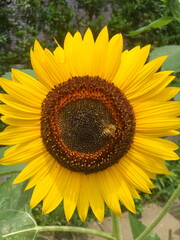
<point>90,126</point>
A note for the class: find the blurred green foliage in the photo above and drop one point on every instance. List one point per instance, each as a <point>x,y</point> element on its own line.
<point>131,15</point>
<point>22,21</point>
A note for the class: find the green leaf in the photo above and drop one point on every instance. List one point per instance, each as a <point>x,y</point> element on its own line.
<point>175,8</point>
<point>161,22</point>
<point>29,72</point>
<point>138,31</point>
<point>6,170</point>
<point>7,75</point>
<point>173,60</point>
<point>156,24</point>
<point>137,228</point>
<point>14,221</point>
<point>15,214</point>
<point>177,97</point>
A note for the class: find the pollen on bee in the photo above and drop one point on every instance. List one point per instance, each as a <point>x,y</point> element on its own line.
<point>109,130</point>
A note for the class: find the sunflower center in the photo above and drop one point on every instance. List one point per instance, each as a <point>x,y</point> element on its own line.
<point>87,124</point>
<point>83,124</point>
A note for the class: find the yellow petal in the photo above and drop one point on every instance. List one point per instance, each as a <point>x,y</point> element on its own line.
<point>96,201</point>
<point>54,197</point>
<point>71,194</point>
<point>108,186</point>
<point>18,104</point>
<point>131,64</point>
<point>33,167</point>
<point>13,135</point>
<point>29,81</point>
<point>156,147</point>
<point>19,91</point>
<point>84,197</point>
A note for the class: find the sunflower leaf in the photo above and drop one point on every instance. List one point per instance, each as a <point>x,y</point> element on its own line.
<point>6,170</point>
<point>7,75</point>
<point>155,24</point>
<point>15,215</point>
<point>137,228</point>
<point>177,97</point>
<point>29,72</point>
<point>173,60</point>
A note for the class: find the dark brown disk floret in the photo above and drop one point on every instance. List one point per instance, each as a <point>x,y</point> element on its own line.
<point>87,124</point>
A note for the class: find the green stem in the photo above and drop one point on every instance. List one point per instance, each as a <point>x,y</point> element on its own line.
<point>116,227</point>
<point>64,229</point>
<point>160,216</point>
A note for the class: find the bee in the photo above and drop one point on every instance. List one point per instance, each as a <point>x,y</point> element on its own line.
<point>109,130</point>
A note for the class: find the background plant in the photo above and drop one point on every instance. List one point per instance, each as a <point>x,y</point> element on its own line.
<point>22,21</point>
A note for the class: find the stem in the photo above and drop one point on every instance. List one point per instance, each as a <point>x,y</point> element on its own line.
<point>116,227</point>
<point>64,229</point>
<point>160,216</point>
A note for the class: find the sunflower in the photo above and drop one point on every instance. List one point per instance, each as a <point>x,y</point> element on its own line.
<point>90,127</point>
